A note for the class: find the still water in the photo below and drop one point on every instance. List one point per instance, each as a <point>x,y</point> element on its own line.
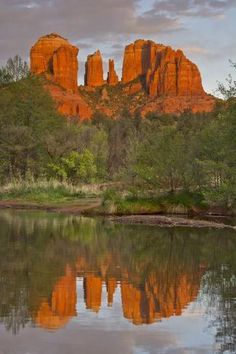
<point>79,285</point>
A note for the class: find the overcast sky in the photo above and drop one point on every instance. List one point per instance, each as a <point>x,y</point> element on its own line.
<point>204,29</point>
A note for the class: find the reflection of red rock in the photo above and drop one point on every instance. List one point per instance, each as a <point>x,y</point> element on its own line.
<point>57,312</point>
<point>93,292</point>
<point>158,299</point>
<point>111,287</point>
<point>136,305</point>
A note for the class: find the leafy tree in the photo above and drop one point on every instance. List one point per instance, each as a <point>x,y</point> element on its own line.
<point>15,70</point>
<point>27,118</point>
<point>75,167</point>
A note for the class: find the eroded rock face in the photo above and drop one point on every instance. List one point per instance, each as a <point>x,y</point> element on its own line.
<point>70,104</point>
<point>112,77</point>
<point>138,58</point>
<point>166,72</point>
<point>156,78</point>
<point>55,57</point>
<point>94,70</point>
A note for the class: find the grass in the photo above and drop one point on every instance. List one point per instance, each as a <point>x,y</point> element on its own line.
<point>176,203</point>
<point>43,191</point>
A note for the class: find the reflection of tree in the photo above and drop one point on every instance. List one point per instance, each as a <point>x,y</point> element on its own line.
<point>220,286</point>
<point>160,268</point>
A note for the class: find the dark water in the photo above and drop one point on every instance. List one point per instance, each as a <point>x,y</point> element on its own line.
<point>76,285</point>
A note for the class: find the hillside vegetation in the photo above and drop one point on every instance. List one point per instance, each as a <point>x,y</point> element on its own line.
<point>185,161</point>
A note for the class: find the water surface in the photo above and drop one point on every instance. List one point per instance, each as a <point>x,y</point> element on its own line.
<point>79,285</point>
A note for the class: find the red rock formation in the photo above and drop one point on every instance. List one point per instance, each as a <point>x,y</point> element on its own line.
<point>166,72</point>
<point>70,104</point>
<point>139,57</point>
<point>112,77</point>
<point>54,56</point>
<point>65,67</point>
<point>94,70</point>
<point>174,75</point>
<point>157,78</point>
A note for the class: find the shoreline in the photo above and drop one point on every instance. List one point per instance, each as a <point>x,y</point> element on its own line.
<point>87,207</point>
<point>169,221</point>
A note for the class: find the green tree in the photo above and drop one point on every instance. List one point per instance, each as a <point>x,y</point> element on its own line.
<point>15,70</point>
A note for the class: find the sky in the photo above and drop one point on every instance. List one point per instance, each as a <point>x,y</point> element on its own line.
<point>204,29</point>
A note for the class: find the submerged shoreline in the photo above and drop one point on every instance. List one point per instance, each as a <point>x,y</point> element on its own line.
<point>87,207</point>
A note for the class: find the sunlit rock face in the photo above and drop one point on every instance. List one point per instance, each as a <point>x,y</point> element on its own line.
<point>166,72</point>
<point>61,307</point>
<point>94,70</point>
<point>155,78</point>
<point>112,77</point>
<point>70,104</point>
<point>54,56</point>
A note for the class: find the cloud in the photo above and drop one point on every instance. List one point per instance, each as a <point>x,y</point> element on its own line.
<point>82,21</point>
<point>192,8</point>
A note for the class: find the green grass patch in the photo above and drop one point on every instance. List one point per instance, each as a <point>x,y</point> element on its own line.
<point>41,191</point>
<point>177,203</point>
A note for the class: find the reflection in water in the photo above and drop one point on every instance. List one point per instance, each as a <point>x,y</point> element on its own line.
<point>158,271</point>
<point>60,309</point>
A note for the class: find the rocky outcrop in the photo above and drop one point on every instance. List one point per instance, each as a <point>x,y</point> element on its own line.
<point>112,77</point>
<point>70,104</point>
<point>173,75</point>
<point>55,57</point>
<point>166,72</point>
<point>138,58</point>
<point>155,78</point>
<point>94,70</point>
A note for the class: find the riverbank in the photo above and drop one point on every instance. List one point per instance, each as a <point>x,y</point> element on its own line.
<point>92,207</point>
<point>77,207</point>
<point>169,221</point>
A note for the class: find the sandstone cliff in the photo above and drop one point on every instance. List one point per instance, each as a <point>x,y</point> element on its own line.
<point>155,78</point>
<point>94,70</point>
<point>165,72</point>
<point>54,56</point>
<point>112,77</point>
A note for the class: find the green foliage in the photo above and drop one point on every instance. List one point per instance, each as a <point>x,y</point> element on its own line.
<point>157,155</point>
<point>75,167</point>
<point>40,190</point>
<point>27,119</point>
<point>15,70</point>
<point>228,90</point>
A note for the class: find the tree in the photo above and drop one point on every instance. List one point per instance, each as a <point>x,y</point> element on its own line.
<point>75,167</point>
<point>228,90</point>
<point>27,118</point>
<point>15,70</point>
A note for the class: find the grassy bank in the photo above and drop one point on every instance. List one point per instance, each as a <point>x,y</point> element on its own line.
<point>49,195</point>
<point>101,199</point>
<point>182,202</point>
